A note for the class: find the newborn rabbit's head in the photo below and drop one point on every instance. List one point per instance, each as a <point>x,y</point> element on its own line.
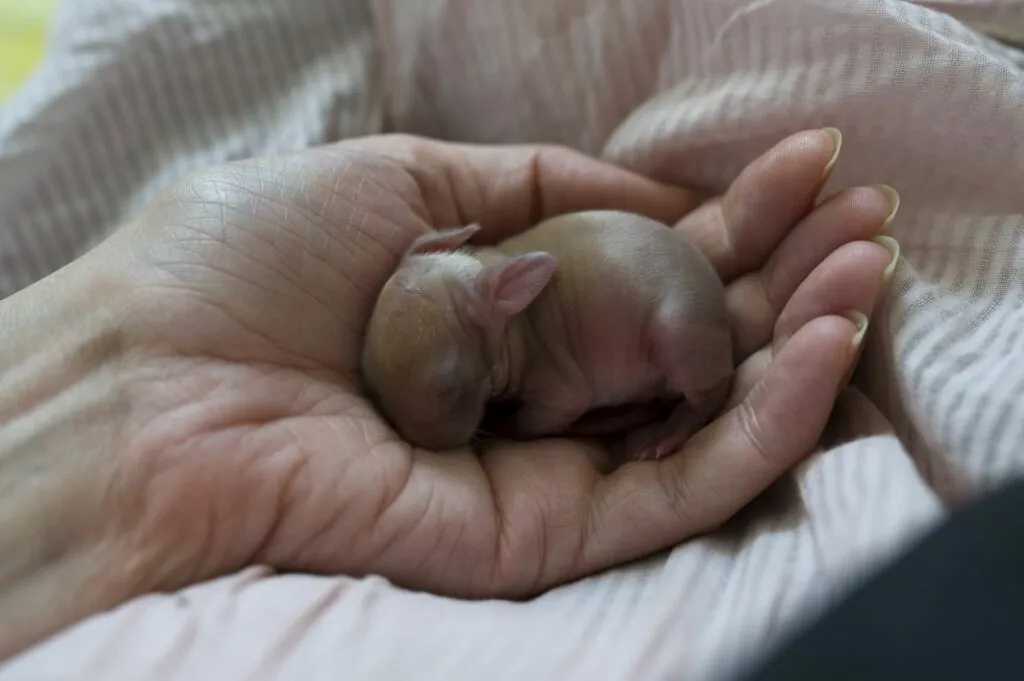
<point>437,331</point>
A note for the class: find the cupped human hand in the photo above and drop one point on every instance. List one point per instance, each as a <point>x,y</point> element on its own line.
<point>248,440</point>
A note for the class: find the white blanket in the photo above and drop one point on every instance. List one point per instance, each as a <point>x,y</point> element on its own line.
<point>134,93</point>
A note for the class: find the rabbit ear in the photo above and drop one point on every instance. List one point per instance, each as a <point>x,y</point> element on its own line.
<point>505,289</point>
<point>443,240</point>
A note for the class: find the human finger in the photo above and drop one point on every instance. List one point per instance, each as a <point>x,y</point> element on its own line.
<point>521,185</point>
<point>740,230</point>
<point>646,506</point>
<point>852,278</point>
<point>509,188</point>
<point>756,299</point>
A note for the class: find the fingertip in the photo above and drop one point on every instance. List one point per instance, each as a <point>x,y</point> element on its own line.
<point>893,199</point>
<point>817,358</point>
<point>772,194</point>
<point>837,146</point>
<point>820,148</point>
<point>893,248</point>
<point>852,277</point>
<point>832,332</point>
<point>860,321</point>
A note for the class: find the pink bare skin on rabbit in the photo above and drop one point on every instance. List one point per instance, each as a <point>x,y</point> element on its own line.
<point>584,311</point>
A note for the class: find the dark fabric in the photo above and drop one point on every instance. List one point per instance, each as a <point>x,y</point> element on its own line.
<point>950,608</point>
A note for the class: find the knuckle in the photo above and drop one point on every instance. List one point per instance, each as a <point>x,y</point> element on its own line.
<point>751,428</point>
<point>678,490</point>
<point>773,306</point>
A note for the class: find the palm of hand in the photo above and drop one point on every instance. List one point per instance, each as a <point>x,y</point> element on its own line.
<point>254,283</point>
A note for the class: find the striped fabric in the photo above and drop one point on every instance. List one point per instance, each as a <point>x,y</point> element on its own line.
<point>930,98</point>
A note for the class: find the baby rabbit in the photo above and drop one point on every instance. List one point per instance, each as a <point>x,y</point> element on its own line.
<point>586,310</point>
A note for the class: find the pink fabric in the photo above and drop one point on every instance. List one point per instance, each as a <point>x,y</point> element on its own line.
<point>928,100</point>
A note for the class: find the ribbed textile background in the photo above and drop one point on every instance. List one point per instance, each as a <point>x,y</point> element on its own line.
<point>133,93</point>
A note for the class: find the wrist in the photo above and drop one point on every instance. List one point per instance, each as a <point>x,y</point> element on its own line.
<point>63,554</point>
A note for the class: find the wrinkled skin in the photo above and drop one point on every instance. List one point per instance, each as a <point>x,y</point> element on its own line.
<point>243,436</point>
<point>585,311</point>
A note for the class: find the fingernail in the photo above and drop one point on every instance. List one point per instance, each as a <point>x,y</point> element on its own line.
<point>837,144</point>
<point>893,197</point>
<point>860,320</point>
<point>893,246</point>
